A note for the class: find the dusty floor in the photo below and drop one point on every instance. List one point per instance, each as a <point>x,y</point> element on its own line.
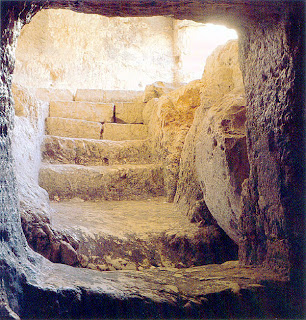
<point>136,235</point>
<point>121,218</point>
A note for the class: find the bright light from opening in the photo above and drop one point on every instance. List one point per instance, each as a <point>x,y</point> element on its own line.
<point>195,42</point>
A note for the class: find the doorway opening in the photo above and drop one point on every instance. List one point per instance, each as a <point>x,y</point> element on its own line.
<point>107,83</point>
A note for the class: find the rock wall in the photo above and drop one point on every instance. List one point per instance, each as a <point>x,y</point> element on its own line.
<point>214,160</point>
<point>272,219</point>
<point>28,133</point>
<point>65,49</point>
<point>91,51</point>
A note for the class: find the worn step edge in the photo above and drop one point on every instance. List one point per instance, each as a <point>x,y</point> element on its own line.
<point>81,110</point>
<point>73,128</point>
<point>95,152</point>
<point>117,182</point>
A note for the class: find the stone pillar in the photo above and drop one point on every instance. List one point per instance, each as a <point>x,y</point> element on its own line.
<point>272,222</point>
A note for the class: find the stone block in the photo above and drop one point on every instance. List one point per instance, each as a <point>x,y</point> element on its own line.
<point>157,89</point>
<point>73,128</point>
<point>98,112</point>
<point>119,132</point>
<point>148,110</point>
<point>106,96</point>
<point>129,112</point>
<point>95,152</point>
<point>53,94</point>
<point>121,182</point>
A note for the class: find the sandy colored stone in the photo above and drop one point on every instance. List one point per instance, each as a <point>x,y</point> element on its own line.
<point>169,125</point>
<point>221,161</point>
<point>97,112</point>
<point>102,182</point>
<point>119,132</point>
<point>95,152</point>
<point>142,233</point>
<point>106,96</point>
<point>26,139</point>
<point>49,94</point>
<point>214,161</point>
<point>73,128</point>
<point>129,112</point>
<point>148,110</point>
<point>80,51</point>
<point>221,74</point>
<point>157,89</point>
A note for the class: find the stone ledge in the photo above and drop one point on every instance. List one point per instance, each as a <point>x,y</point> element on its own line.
<point>120,132</point>
<point>212,291</point>
<point>89,111</point>
<point>73,128</point>
<point>95,152</point>
<point>120,182</point>
<point>106,96</point>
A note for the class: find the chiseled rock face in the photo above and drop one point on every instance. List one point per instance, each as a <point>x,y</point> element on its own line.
<point>73,50</point>
<point>171,117</point>
<point>27,137</point>
<point>221,160</point>
<point>214,160</point>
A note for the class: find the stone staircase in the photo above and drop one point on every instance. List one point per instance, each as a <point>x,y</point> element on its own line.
<point>96,148</point>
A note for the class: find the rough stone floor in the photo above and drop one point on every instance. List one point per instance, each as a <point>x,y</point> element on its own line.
<point>118,236</point>
<point>131,234</point>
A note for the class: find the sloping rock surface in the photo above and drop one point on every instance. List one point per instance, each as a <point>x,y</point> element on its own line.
<point>214,291</point>
<point>214,160</point>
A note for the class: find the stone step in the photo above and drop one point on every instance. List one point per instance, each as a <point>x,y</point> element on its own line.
<point>89,111</point>
<point>120,182</point>
<point>129,112</point>
<point>94,152</point>
<point>53,94</point>
<point>73,128</point>
<point>119,132</point>
<point>106,96</point>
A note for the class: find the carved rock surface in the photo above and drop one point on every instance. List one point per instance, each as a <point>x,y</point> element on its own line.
<point>221,160</point>
<point>172,116</point>
<point>214,160</point>
<point>95,152</point>
<point>27,137</point>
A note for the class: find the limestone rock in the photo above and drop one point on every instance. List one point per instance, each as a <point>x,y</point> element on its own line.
<point>221,161</point>
<point>106,96</point>
<point>169,126</point>
<point>214,161</point>
<point>221,74</point>
<point>97,112</point>
<point>68,254</point>
<point>27,136</point>
<point>148,110</point>
<point>73,128</point>
<point>50,94</point>
<point>120,132</point>
<point>129,112</point>
<point>157,89</point>
<point>79,51</point>
<point>102,182</point>
<point>95,152</point>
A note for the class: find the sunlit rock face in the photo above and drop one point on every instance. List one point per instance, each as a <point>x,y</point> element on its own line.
<point>73,50</point>
<point>28,133</point>
<point>214,160</point>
